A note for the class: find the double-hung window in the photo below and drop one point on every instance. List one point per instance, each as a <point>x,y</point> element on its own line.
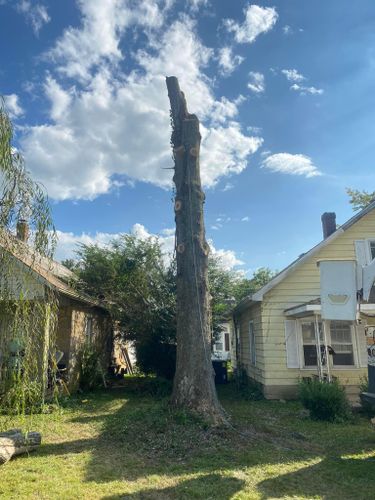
<point>252,343</point>
<point>342,343</point>
<point>309,342</point>
<point>339,342</point>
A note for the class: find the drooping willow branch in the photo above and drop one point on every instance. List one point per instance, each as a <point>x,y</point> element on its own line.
<point>27,307</point>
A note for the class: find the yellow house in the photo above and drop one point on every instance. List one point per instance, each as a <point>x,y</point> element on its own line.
<point>276,328</point>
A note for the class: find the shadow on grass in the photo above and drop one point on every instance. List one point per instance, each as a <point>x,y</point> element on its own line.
<point>330,472</point>
<point>144,438</point>
<point>206,487</point>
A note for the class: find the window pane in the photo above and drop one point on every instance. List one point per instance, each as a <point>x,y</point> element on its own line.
<point>226,340</point>
<point>309,344</point>
<point>341,339</point>
<point>372,249</point>
<point>309,352</point>
<point>308,332</point>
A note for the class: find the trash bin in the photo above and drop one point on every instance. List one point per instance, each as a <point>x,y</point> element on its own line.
<point>221,371</point>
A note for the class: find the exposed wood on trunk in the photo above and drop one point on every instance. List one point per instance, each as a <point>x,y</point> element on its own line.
<point>194,386</point>
<point>14,442</point>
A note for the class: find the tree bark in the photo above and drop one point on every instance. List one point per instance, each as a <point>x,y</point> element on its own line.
<point>193,386</point>
<point>14,442</point>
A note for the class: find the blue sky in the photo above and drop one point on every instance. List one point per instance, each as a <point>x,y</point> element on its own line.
<point>284,91</point>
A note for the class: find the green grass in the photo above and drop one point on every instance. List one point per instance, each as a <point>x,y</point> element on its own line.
<point>118,444</point>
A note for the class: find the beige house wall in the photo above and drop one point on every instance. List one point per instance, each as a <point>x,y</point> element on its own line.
<point>302,285</point>
<point>72,336</point>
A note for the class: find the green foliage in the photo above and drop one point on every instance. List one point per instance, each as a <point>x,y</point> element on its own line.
<point>366,407</point>
<point>157,387</point>
<point>91,372</point>
<point>140,291</point>
<point>324,400</point>
<point>139,286</point>
<point>26,375</point>
<point>360,199</point>
<point>229,287</point>
<point>245,387</point>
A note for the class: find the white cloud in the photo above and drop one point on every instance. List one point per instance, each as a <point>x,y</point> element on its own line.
<point>292,75</point>
<point>287,163</point>
<point>255,130</point>
<point>258,20</point>
<point>195,5</point>
<point>228,186</point>
<point>227,258</point>
<point>225,151</point>
<point>118,124</point>
<point>59,98</point>
<point>256,82</point>
<point>13,106</point>
<point>245,219</point>
<point>69,242</point>
<point>287,30</point>
<point>98,39</point>
<point>36,14</point>
<point>306,90</point>
<point>228,62</point>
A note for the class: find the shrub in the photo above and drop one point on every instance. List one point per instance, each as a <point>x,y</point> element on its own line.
<point>91,372</point>
<point>366,407</point>
<point>22,398</point>
<point>156,358</point>
<point>324,400</point>
<point>246,388</point>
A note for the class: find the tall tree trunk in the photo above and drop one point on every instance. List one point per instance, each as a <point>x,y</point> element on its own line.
<point>193,386</point>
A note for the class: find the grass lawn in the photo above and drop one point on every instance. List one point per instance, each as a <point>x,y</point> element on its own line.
<point>119,444</point>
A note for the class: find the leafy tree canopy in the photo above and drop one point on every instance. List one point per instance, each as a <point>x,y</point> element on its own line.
<point>360,199</point>
<point>139,286</point>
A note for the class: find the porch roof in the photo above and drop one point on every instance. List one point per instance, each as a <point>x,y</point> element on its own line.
<point>314,307</point>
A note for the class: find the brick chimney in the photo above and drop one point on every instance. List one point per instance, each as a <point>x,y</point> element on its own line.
<point>328,224</point>
<point>22,230</point>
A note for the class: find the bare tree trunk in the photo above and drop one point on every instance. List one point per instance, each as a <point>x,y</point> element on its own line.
<point>194,386</point>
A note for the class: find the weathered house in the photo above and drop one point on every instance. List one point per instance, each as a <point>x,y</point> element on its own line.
<point>81,320</point>
<point>277,328</point>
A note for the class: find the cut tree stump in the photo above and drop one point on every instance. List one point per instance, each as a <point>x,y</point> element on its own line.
<point>15,442</point>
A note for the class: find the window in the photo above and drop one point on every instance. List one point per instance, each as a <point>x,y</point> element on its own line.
<point>226,341</point>
<point>252,343</point>
<point>218,346</point>
<point>309,342</point>
<point>372,249</point>
<point>341,343</point>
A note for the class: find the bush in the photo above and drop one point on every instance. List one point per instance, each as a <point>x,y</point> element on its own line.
<point>91,373</point>
<point>324,400</point>
<point>156,358</point>
<point>246,388</point>
<point>366,407</point>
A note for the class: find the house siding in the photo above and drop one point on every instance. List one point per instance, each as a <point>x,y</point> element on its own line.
<point>71,336</point>
<point>302,285</point>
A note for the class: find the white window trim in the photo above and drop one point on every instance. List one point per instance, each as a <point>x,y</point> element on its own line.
<point>252,344</point>
<point>326,325</point>
<point>368,249</point>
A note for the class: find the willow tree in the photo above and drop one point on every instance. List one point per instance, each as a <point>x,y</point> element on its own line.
<point>27,307</point>
<point>193,386</point>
